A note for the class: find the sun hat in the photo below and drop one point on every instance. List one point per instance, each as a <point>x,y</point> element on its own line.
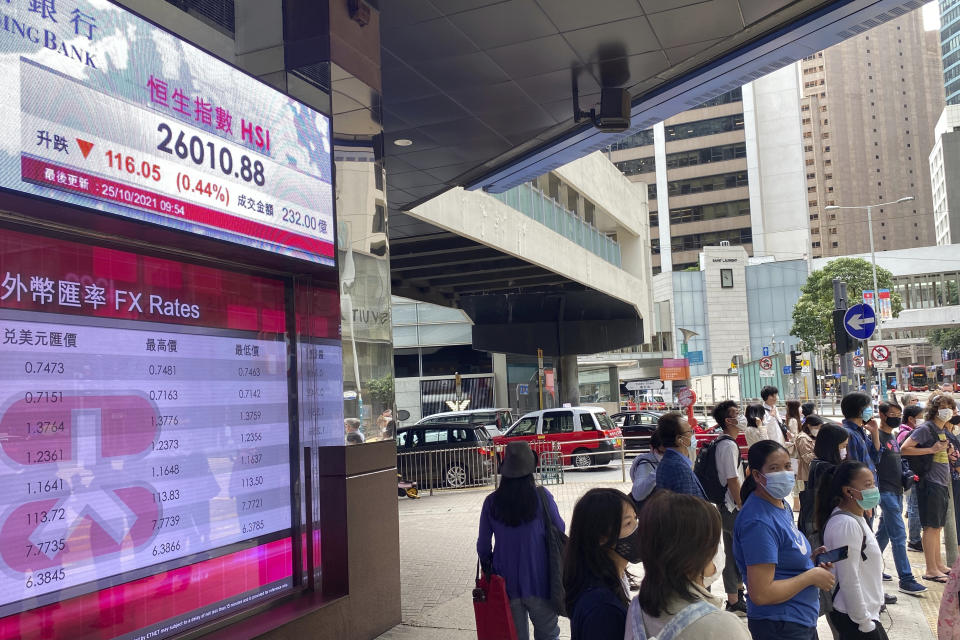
<point>518,460</point>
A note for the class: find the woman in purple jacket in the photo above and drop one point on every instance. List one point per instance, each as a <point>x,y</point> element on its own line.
<point>513,515</point>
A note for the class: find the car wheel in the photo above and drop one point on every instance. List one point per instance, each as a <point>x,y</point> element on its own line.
<point>456,476</point>
<point>582,458</point>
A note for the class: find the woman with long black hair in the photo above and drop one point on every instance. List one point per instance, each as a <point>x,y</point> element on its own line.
<point>755,431</point>
<point>773,556</point>
<point>847,491</point>
<point>513,515</point>
<point>829,450</point>
<point>604,539</point>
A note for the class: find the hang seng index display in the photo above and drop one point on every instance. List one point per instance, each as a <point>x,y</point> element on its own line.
<point>125,449</point>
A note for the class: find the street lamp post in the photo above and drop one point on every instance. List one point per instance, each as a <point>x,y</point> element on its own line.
<point>873,261</point>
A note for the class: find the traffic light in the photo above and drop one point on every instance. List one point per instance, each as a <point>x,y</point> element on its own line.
<point>795,357</point>
<point>842,339</point>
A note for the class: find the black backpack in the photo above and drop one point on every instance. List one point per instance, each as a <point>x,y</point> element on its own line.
<point>920,465</point>
<point>706,471</point>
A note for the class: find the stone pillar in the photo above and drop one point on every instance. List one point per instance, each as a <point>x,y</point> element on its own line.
<point>501,394</point>
<point>568,380</point>
<point>614,375</point>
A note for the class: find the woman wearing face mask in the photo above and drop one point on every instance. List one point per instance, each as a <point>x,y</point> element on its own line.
<point>755,431</point>
<point>928,450</point>
<point>604,539</point>
<point>679,565</point>
<point>829,450</point>
<point>774,556</point>
<point>804,441</point>
<point>842,502</point>
<point>794,419</point>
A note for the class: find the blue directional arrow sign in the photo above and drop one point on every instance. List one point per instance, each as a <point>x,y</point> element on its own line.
<point>860,321</point>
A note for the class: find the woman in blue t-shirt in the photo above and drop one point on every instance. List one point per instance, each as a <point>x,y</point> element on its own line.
<point>772,554</point>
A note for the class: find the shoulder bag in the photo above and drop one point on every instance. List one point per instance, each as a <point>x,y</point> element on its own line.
<point>556,541</point>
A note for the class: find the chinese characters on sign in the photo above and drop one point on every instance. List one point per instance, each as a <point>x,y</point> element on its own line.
<point>69,293</point>
<point>202,111</point>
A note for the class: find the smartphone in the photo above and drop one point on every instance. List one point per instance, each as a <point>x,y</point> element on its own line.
<point>834,555</point>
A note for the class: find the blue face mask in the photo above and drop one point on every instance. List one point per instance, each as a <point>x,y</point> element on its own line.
<point>867,414</point>
<point>779,484</point>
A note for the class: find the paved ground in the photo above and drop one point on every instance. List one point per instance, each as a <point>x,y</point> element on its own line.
<point>438,563</point>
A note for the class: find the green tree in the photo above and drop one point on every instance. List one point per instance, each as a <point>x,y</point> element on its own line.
<point>381,390</point>
<point>813,313</point>
<point>948,339</point>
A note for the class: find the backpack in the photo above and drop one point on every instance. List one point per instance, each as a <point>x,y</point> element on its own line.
<point>684,618</point>
<point>919,465</point>
<point>805,520</point>
<point>706,471</point>
<point>639,503</point>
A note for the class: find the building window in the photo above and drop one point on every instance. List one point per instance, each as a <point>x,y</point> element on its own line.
<point>696,241</point>
<point>710,212</point>
<point>706,156</point>
<point>708,183</point>
<point>637,166</point>
<point>706,127</point>
<point>639,139</point>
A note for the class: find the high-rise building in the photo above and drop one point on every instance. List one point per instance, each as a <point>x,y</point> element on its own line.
<point>727,171</point>
<point>950,48</point>
<point>868,110</point>
<point>944,169</point>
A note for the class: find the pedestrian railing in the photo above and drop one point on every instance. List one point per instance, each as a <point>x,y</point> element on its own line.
<point>449,468</point>
<point>479,466</point>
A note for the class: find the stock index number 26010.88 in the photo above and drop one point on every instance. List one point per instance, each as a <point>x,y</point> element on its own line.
<point>202,153</point>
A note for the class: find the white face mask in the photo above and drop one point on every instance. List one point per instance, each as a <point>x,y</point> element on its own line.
<point>843,453</point>
<point>716,565</point>
<point>945,414</point>
<point>692,451</point>
<point>814,431</point>
<point>742,422</point>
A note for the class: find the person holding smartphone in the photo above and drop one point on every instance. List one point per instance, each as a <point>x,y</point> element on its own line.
<point>775,558</point>
<point>841,504</point>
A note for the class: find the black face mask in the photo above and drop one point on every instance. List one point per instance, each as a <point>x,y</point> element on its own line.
<point>893,423</point>
<point>629,548</point>
<point>955,420</point>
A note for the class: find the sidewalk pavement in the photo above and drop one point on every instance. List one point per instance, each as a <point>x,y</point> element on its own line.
<point>438,559</point>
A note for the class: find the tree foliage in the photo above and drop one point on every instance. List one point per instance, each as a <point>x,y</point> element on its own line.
<point>948,339</point>
<point>381,389</point>
<point>813,313</point>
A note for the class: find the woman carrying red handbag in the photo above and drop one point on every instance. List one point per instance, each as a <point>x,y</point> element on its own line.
<point>512,515</point>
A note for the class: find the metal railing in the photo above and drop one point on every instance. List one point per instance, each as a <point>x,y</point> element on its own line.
<point>535,204</point>
<point>451,468</point>
<point>471,467</point>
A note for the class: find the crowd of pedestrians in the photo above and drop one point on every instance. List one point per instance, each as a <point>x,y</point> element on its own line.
<point>779,569</point>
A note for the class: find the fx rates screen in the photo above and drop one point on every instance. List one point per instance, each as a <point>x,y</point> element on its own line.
<point>125,447</point>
